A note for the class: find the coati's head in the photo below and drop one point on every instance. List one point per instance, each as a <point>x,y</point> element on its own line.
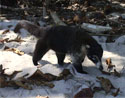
<point>94,53</point>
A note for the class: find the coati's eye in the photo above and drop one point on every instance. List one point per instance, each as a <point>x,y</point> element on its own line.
<point>89,56</point>
<point>95,58</point>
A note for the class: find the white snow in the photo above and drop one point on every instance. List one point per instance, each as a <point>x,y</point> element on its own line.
<point>62,89</point>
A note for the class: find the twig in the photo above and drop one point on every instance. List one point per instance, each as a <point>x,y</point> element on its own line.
<point>115,22</point>
<point>56,18</point>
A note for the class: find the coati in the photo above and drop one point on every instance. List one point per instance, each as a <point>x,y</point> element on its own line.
<point>64,40</point>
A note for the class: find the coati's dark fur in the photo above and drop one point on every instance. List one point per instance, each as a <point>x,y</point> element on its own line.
<point>64,40</point>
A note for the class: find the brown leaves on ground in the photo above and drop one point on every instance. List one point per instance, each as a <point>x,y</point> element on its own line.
<point>5,31</point>
<point>38,78</point>
<point>84,93</point>
<point>64,74</point>
<point>4,40</point>
<point>4,78</point>
<point>17,39</point>
<point>39,75</point>
<point>15,50</point>
<point>110,67</point>
<point>116,93</point>
<point>109,63</point>
<point>42,96</point>
<point>105,84</point>
<point>116,73</point>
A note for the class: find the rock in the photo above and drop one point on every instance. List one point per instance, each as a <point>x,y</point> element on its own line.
<point>114,16</point>
<point>95,28</point>
<point>97,15</point>
<point>123,16</point>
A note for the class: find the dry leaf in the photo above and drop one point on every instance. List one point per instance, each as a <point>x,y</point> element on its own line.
<point>5,31</point>
<point>4,40</point>
<point>17,39</point>
<point>2,81</point>
<point>76,18</point>
<point>23,85</point>
<point>96,89</point>
<point>2,77</point>
<point>106,73</point>
<point>38,78</point>
<point>106,84</point>
<point>17,51</point>
<point>116,93</point>
<point>6,48</point>
<point>64,74</point>
<point>14,50</point>
<point>116,73</point>
<point>84,93</point>
<point>42,96</point>
<point>109,63</point>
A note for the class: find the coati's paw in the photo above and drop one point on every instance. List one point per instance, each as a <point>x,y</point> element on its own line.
<point>80,70</point>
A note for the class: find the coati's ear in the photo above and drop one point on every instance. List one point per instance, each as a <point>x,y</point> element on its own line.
<point>87,46</point>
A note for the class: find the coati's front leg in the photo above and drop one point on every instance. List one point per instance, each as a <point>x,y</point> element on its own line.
<point>60,57</point>
<point>40,50</point>
<point>78,58</point>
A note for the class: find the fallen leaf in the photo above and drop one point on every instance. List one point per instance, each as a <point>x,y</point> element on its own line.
<point>109,63</point>
<point>64,74</point>
<point>14,50</point>
<point>116,93</point>
<point>76,18</point>
<point>106,73</point>
<point>17,39</point>
<point>105,84</point>
<point>40,76</point>
<point>2,81</point>
<point>23,85</point>
<point>17,51</point>
<point>96,89</point>
<point>116,73</point>
<point>84,93</point>
<point>4,40</point>
<point>5,31</point>
<point>42,96</point>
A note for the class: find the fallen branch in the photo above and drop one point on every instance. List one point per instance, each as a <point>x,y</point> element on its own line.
<point>56,18</point>
<point>115,21</point>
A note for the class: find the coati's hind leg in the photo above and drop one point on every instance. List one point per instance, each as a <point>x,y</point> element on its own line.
<point>60,57</point>
<point>40,50</point>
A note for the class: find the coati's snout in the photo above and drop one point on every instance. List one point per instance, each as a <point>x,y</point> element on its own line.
<point>95,55</point>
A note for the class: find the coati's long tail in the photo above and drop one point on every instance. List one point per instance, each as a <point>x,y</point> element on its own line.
<point>30,27</point>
